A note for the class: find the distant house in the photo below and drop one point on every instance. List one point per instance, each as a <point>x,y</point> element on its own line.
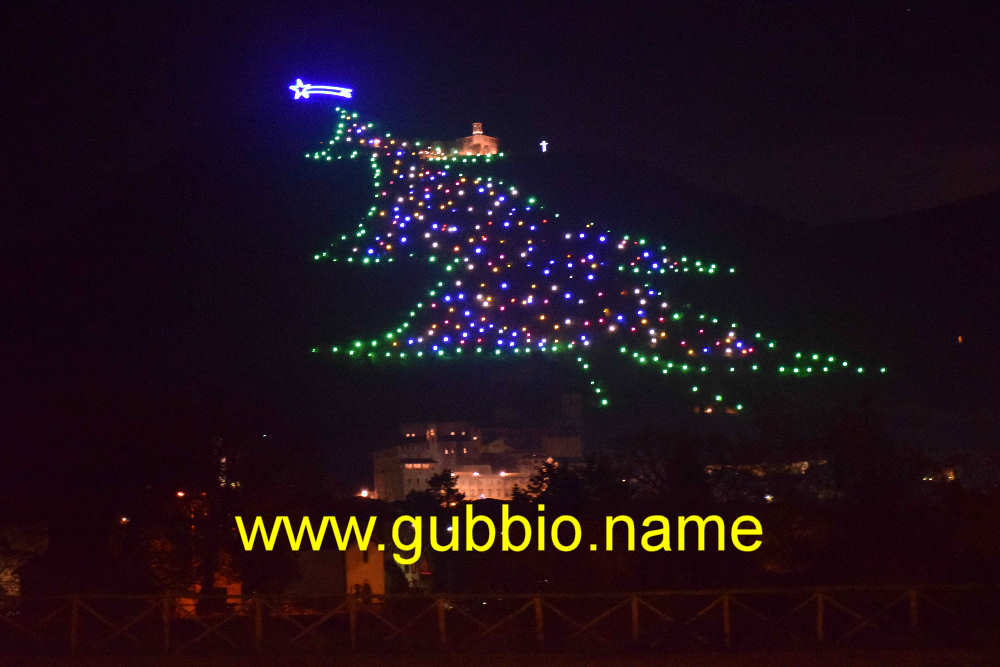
<point>334,572</point>
<point>486,462</point>
<point>476,143</point>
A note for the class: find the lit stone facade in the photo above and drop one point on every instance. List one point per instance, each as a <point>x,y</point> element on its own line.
<point>478,143</point>
<point>484,467</point>
<point>475,144</point>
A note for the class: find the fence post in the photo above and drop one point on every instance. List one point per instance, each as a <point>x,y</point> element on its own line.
<point>352,615</point>
<point>635,617</point>
<point>74,624</point>
<point>442,628</point>
<point>258,623</point>
<point>727,620</point>
<point>819,617</point>
<point>539,621</point>
<point>914,610</point>
<point>165,619</point>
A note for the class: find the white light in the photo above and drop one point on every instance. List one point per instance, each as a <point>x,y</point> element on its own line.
<point>304,90</point>
<point>544,145</point>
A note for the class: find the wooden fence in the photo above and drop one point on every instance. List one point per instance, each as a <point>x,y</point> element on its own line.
<point>760,618</point>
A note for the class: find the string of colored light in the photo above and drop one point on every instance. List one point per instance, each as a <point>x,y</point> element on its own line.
<point>518,280</point>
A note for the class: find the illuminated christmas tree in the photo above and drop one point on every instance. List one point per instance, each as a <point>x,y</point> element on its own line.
<point>515,279</point>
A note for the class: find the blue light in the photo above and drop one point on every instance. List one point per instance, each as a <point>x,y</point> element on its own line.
<point>304,90</point>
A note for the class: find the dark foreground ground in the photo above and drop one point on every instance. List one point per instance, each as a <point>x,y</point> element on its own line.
<point>751,659</point>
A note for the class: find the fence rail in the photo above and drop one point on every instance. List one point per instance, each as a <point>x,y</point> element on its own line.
<point>882,616</point>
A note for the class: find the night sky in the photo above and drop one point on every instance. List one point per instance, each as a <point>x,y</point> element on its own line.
<point>161,219</point>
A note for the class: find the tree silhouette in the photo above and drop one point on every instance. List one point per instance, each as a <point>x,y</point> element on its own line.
<point>443,489</point>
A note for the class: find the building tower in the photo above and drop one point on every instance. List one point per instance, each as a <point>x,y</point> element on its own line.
<point>478,143</point>
<point>432,442</point>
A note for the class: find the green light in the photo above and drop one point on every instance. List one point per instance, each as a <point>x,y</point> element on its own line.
<point>368,253</point>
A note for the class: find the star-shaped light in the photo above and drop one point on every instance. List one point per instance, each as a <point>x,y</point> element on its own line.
<point>303,90</point>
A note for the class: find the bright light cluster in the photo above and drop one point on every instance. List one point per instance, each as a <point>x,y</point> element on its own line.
<point>516,280</point>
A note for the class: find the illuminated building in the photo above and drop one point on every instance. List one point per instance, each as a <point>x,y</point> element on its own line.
<point>478,143</point>
<point>335,572</point>
<point>486,462</point>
